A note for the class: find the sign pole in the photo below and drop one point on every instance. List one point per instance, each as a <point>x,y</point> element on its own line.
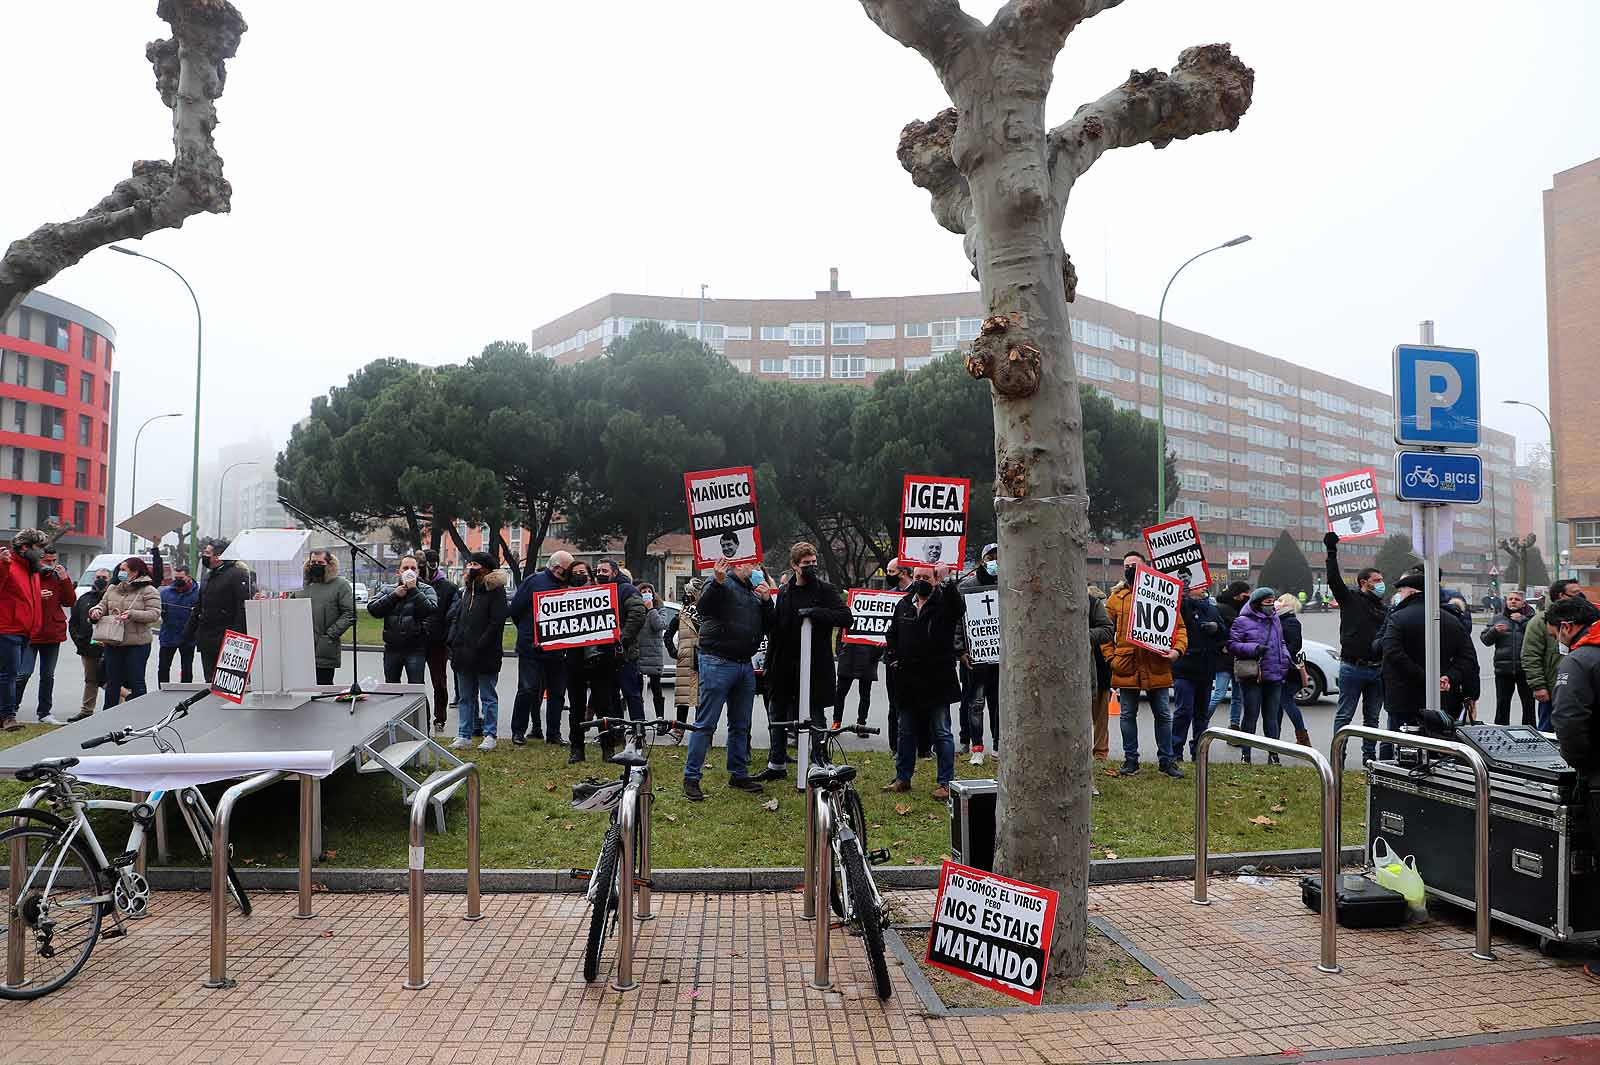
<point>1430,579</point>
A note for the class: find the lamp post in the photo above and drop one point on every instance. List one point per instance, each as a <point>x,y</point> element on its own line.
<point>133,489</point>
<point>194,472</point>
<point>1161,379</point>
<point>224,477</point>
<point>1555,527</point>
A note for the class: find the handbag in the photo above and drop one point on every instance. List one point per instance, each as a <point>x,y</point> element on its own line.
<point>1247,669</point>
<point>110,630</point>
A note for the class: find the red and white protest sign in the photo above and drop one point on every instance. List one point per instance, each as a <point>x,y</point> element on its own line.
<point>575,617</point>
<point>1154,613</point>
<point>238,654</point>
<point>1350,502</point>
<point>722,515</point>
<point>1174,547</point>
<point>933,519</point>
<point>992,930</point>
<point>870,614</point>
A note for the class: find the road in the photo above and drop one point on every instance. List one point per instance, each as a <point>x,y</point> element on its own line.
<point>1319,718</point>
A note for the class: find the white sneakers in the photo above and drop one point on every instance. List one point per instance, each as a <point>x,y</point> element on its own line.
<point>51,720</point>
<point>977,756</point>
<point>460,743</point>
<point>488,744</point>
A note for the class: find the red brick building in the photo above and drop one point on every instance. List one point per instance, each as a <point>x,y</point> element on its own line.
<point>1572,300</point>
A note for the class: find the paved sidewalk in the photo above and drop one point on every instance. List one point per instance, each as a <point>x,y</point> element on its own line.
<point>724,980</point>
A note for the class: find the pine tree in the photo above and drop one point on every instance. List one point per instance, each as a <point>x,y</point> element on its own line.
<point>1395,557</point>
<point>1286,569</point>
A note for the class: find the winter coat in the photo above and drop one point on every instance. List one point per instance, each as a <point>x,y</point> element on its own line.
<point>333,610</point>
<point>53,608</point>
<point>1540,655</point>
<point>652,644</point>
<point>858,661</point>
<point>436,626</point>
<point>80,627</point>
<point>733,619</point>
<point>922,648</point>
<point>521,612</point>
<point>1576,712</point>
<point>1208,637</point>
<point>1293,635</point>
<point>176,607</point>
<point>405,617</point>
<point>19,597</point>
<point>1133,666</point>
<point>1230,614</point>
<point>1404,636</point>
<point>1259,635</point>
<point>684,636</point>
<point>630,619</point>
<point>1507,645</point>
<point>141,601</point>
<point>828,612</point>
<point>479,623</point>
<point>1361,615</point>
<point>1101,632</point>
<point>223,593</point>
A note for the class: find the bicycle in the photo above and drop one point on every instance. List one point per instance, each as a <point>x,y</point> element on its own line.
<point>67,872</point>
<point>617,797</point>
<point>1422,475</point>
<point>852,893</point>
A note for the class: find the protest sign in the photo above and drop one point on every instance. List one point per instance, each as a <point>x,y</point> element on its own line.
<point>722,515</point>
<point>575,617</point>
<point>933,519</point>
<point>992,930</point>
<point>1154,618</point>
<point>233,666</point>
<point>983,627</point>
<point>1238,562</point>
<point>870,613</point>
<point>1351,503</point>
<point>1174,547</point>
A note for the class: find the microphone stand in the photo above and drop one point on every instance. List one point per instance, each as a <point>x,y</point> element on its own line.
<point>354,692</point>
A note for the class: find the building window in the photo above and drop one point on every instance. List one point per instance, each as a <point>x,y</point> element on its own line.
<point>742,365</point>
<point>944,335</point>
<point>967,329</point>
<point>18,457</point>
<point>880,365</point>
<point>849,367</point>
<point>81,477</point>
<point>60,336</point>
<point>774,365</point>
<point>102,479</point>
<point>49,511</point>
<point>85,388</point>
<point>15,517</point>
<point>105,398</point>
<point>775,332</point>
<point>19,367</point>
<point>49,468</point>
<point>880,332</point>
<point>19,417</point>
<point>80,515</point>
<point>807,368</point>
<point>88,346</point>
<point>1586,533</point>
<point>53,423</point>
<point>737,332</point>
<point>849,334</point>
<point>85,431</point>
<point>805,335</point>
<point>916,329</point>
<point>917,362</point>
<point>55,378</point>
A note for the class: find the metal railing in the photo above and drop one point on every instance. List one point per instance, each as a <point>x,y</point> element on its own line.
<point>1480,776</point>
<point>820,859</point>
<point>1330,812</point>
<point>633,822</point>
<point>416,975</point>
<point>219,872</point>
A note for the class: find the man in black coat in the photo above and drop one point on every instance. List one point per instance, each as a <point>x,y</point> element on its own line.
<point>1576,714</point>
<point>807,596</point>
<point>1361,615</point>
<point>922,654</point>
<point>1404,685</point>
<point>223,594</point>
<point>735,613</point>
<point>1504,634</point>
<point>1195,670</point>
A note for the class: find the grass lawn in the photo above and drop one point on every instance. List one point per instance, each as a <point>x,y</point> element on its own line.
<point>528,824</point>
<point>369,631</point>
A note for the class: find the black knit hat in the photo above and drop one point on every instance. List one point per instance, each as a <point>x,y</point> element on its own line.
<point>1413,581</point>
<point>1235,590</point>
<point>483,559</point>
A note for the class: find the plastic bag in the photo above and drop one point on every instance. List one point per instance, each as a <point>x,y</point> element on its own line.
<point>1401,876</point>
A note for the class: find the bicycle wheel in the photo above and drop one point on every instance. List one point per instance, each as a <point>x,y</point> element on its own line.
<point>60,926</point>
<point>202,828</point>
<point>867,914</point>
<point>850,806</point>
<point>605,902</point>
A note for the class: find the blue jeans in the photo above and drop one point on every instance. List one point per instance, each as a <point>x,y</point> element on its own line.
<point>1222,688</point>
<point>10,665</point>
<point>415,663</point>
<point>1261,701</point>
<point>125,668</point>
<point>478,699</point>
<point>1128,699</point>
<point>937,718</point>
<point>723,682</point>
<point>1186,715</point>
<point>537,675</point>
<point>1364,685</point>
<point>45,654</point>
<point>1291,709</point>
<point>631,682</point>
<point>1546,725</point>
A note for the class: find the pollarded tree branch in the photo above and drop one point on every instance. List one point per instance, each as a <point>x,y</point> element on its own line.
<point>189,70</point>
<point>1208,91</point>
<point>1040,27</point>
<point>937,29</point>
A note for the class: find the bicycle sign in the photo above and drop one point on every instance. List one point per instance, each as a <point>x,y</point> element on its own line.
<point>1438,477</point>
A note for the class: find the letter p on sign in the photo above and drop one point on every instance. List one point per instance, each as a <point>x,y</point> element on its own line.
<point>1438,388</point>
<point>1436,397</point>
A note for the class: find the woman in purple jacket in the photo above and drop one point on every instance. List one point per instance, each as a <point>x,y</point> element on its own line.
<point>1258,635</point>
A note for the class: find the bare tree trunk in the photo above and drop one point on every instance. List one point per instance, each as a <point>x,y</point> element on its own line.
<point>512,562</point>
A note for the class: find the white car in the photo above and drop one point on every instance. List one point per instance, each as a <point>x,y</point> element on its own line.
<point>361,594</point>
<point>1322,668</point>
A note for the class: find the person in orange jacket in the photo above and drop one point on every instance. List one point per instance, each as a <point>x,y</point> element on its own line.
<point>19,613</point>
<point>1135,669</point>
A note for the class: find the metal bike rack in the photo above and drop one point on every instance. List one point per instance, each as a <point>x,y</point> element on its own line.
<point>15,933</point>
<point>416,977</point>
<point>219,872</point>
<point>308,805</point>
<point>1480,778</point>
<point>808,909</point>
<point>822,866</point>
<point>633,824</point>
<point>1330,813</point>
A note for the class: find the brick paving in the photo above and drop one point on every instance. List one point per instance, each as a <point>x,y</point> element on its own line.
<point>724,982</point>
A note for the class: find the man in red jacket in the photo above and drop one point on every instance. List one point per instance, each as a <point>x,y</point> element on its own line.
<point>19,614</point>
<point>56,596</point>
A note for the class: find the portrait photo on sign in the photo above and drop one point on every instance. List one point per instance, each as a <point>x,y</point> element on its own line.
<point>722,516</point>
<point>1350,502</point>
<point>933,519</point>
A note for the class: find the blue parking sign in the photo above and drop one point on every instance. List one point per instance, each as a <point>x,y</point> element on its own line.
<point>1436,396</point>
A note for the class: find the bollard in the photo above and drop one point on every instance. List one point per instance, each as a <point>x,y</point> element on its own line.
<point>808,908</point>
<point>823,846</point>
<point>416,972</point>
<point>219,874</point>
<point>628,822</point>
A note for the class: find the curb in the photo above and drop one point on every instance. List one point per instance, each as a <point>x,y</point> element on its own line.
<point>780,878</point>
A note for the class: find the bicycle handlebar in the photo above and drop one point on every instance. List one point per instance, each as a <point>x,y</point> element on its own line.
<point>121,736</point>
<point>110,737</point>
<point>794,726</point>
<point>629,722</point>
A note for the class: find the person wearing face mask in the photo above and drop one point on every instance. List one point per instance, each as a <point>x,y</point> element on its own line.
<point>19,614</point>
<point>683,643</point>
<point>224,590</point>
<point>1576,716</point>
<point>982,682</point>
<point>897,578</point>
<point>1505,634</point>
<point>1229,603</point>
<point>436,628</point>
<point>123,619</point>
<point>1361,616</point>
<point>1404,647</point>
<point>1256,637</point>
<point>475,649</point>
<point>921,650</point>
<point>1540,655</point>
<point>178,600</point>
<point>631,614</point>
<point>736,612</point>
<point>333,611</point>
<point>806,596</point>
<point>541,674</point>
<point>81,629</point>
<point>56,596</point>
<point>653,647</point>
<point>1135,669</point>
<point>405,612</point>
<point>1195,669</point>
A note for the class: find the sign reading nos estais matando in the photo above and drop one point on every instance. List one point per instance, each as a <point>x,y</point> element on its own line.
<point>870,614</point>
<point>575,617</point>
<point>1350,501</point>
<point>1153,620</point>
<point>933,519</point>
<point>992,930</point>
<point>234,660</point>
<point>722,515</point>
<point>1174,547</point>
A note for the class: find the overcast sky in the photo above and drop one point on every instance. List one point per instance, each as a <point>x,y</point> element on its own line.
<point>421,182</point>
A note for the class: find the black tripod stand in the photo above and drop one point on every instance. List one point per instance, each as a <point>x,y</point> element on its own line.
<point>354,691</point>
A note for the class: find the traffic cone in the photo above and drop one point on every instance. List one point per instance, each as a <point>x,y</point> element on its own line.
<point>1116,706</point>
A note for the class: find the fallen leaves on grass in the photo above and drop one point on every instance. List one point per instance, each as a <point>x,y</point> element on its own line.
<point>1278,807</point>
<point>917,861</point>
<point>771,804</point>
<point>1110,853</point>
<point>901,808</point>
<point>550,787</point>
<point>671,817</point>
<point>1262,819</point>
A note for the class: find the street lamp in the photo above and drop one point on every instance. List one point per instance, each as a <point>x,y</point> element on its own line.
<point>222,478</point>
<point>1161,380</point>
<point>133,489</point>
<point>194,472</point>
<point>1555,528</point>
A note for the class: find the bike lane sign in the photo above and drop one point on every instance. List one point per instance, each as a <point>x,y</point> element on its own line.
<point>1438,477</point>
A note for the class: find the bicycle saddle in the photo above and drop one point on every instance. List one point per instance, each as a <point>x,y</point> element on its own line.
<point>826,775</point>
<point>631,759</point>
<point>45,767</point>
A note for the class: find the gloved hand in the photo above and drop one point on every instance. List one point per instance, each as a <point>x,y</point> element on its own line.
<point>1210,628</point>
<point>1330,540</point>
<point>807,612</point>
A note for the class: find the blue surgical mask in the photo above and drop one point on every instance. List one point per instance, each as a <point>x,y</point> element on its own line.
<point>120,576</point>
<point>991,567</point>
<point>1379,588</point>
<point>757,577</point>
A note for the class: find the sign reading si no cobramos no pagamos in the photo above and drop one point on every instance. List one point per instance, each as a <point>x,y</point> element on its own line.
<point>722,515</point>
